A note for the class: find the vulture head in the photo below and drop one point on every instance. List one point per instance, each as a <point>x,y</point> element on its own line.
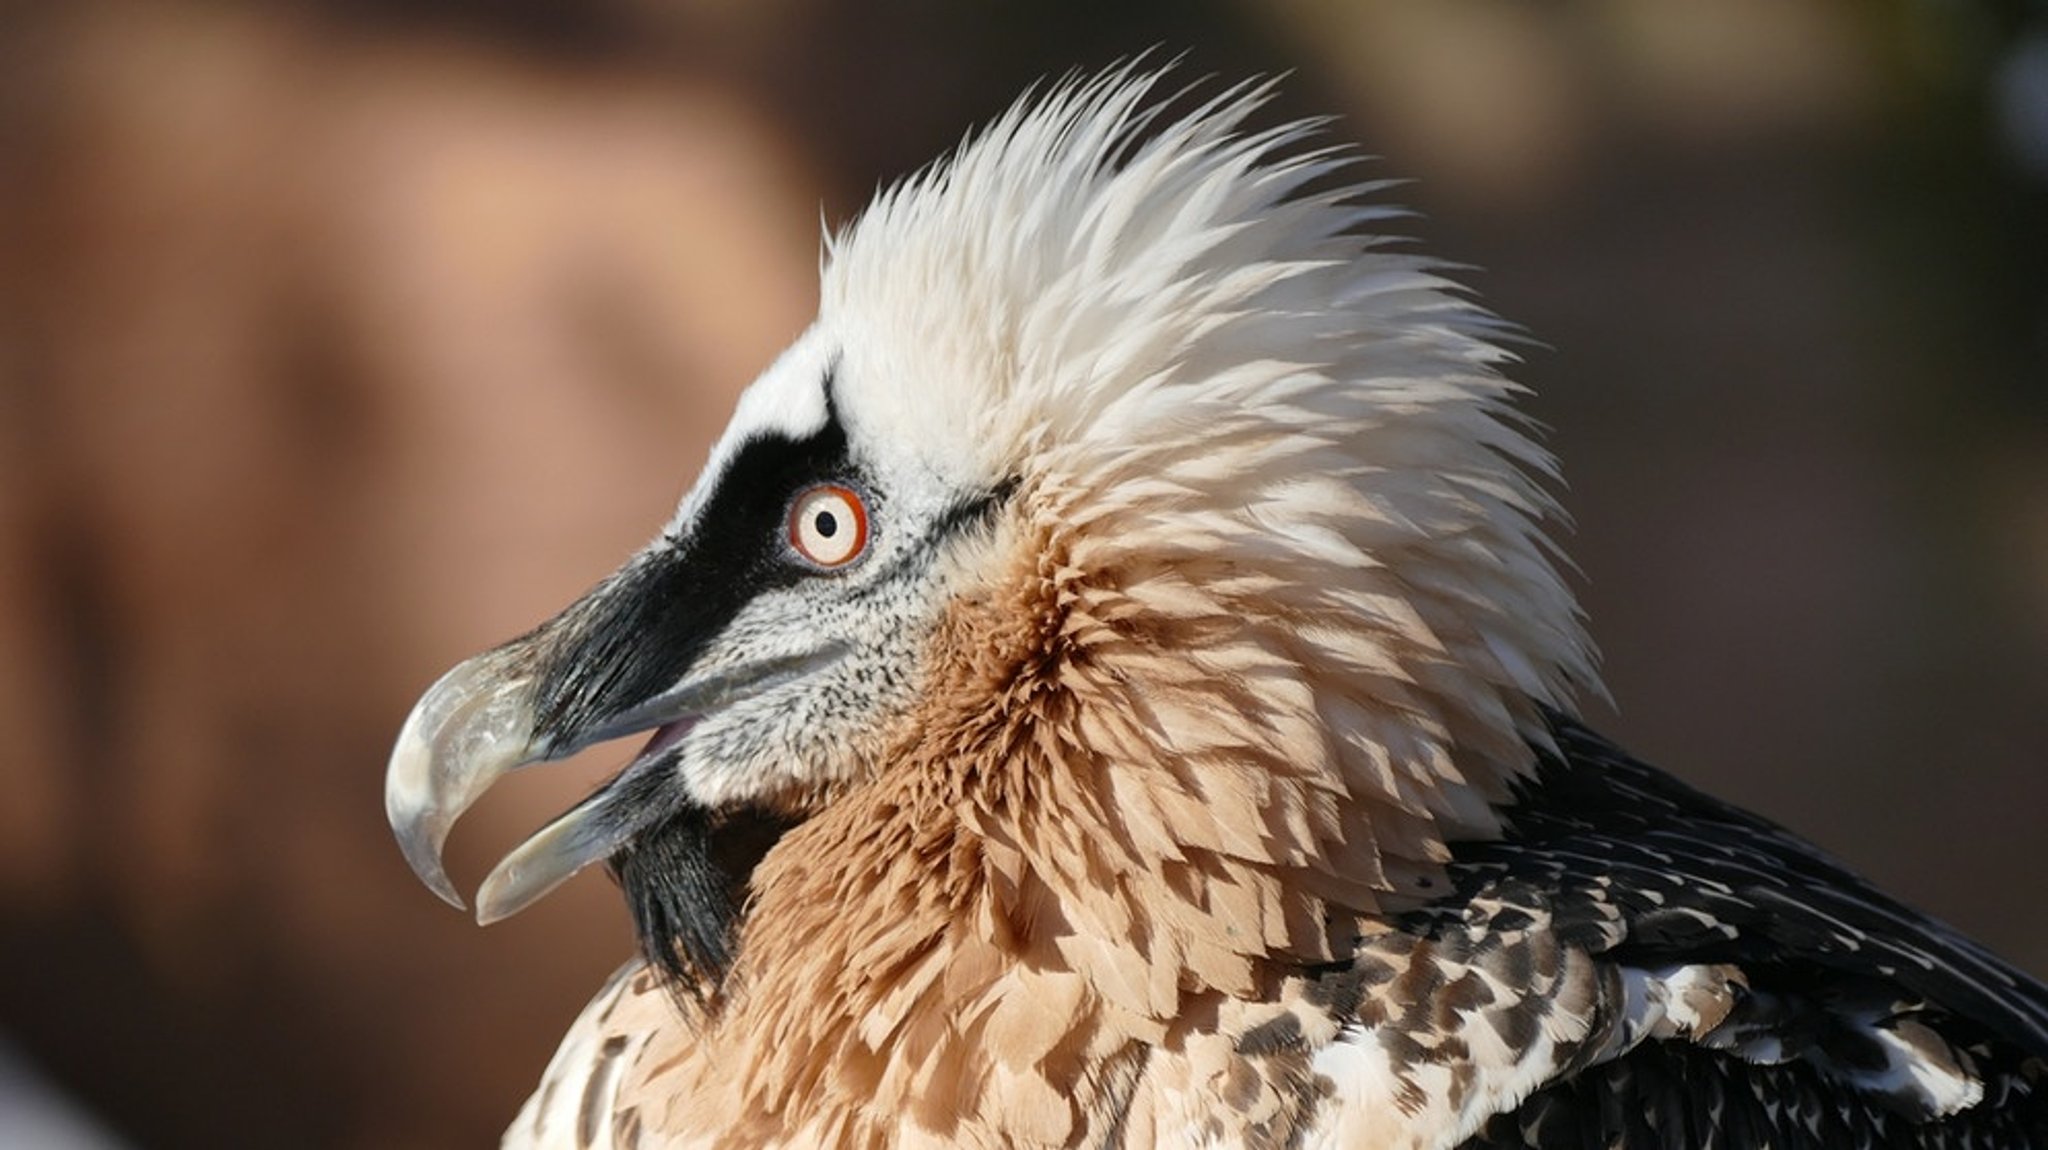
<point>1136,574</point>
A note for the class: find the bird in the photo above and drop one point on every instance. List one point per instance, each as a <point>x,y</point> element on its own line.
<point>1117,682</point>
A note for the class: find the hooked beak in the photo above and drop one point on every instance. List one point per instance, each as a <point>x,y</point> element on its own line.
<point>489,717</point>
<point>469,730</point>
<point>472,728</point>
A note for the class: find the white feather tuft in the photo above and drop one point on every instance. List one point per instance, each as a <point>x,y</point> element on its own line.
<point>1177,335</point>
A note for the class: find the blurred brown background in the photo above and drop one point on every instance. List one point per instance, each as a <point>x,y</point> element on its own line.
<point>342,340</point>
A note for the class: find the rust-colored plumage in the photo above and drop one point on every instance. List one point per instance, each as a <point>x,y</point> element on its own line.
<point>1178,753</point>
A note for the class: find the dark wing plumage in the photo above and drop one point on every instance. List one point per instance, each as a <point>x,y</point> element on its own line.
<point>1844,992</point>
<point>1676,1096</point>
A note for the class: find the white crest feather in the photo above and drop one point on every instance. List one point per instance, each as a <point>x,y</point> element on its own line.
<point>1181,332</point>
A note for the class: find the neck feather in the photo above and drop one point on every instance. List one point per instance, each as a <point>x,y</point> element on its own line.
<point>1104,819</point>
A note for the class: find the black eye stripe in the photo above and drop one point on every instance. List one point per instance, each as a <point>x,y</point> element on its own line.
<point>638,633</point>
<point>972,513</point>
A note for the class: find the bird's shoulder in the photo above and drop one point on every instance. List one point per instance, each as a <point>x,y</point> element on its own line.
<point>1634,963</point>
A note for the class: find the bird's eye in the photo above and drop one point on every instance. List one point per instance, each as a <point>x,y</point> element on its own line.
<point>828,525</point>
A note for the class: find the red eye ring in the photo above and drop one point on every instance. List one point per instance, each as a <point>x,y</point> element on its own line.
<point>828,526</point>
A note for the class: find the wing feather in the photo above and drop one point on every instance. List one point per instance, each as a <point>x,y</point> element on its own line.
<point>1846,1019</point>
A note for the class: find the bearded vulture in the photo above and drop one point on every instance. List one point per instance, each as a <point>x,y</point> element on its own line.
<point>1112,686</point>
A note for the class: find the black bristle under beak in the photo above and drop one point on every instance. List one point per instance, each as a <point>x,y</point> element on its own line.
<point>685,883</point>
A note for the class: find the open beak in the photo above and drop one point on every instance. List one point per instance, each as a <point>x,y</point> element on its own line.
<point>475,726</point>
<point>584,677</point>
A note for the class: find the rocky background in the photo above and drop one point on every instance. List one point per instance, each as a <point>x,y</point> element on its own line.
<point>340,340</point>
